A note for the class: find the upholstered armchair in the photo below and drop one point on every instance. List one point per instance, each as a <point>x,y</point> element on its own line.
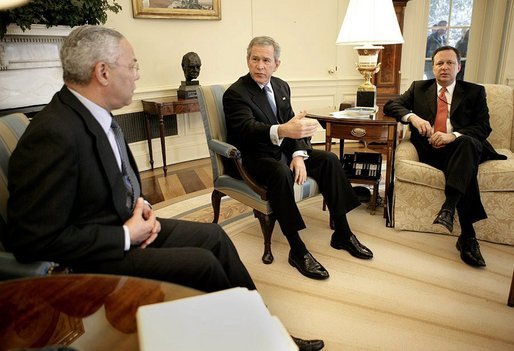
<point>419,188</point>
<point>244,190</point>
<point>11,128</point>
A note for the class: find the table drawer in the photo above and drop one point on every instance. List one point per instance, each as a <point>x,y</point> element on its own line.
<point>358,132</point>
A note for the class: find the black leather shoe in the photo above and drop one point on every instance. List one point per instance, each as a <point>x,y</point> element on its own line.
<point>470,251</point>
<point>445,218</point>
<point>308,266</point>
<point>353,246</point>
<point>308,345</point>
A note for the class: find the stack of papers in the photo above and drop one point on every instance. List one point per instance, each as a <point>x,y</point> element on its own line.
<point>229,320</point>
<point>355,112</point>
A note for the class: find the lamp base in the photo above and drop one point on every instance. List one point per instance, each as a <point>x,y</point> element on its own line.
<point>366,98</point>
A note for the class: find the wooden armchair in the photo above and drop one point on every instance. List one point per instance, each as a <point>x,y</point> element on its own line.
<point>244,190</point>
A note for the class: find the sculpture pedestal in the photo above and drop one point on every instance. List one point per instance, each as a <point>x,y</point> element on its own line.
<point>187,89</point>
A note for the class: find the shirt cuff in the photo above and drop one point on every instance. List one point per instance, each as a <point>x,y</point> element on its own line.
<point>302,153</point>
<point>127,238</point>
<point>457,134</point>
<point>273,135</point>
<point>406,117</point>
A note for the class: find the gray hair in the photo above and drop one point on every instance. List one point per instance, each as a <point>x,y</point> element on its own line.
<point>84,47</point>
<point>264,41</point>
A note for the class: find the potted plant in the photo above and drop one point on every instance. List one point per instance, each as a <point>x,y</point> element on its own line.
<point>58,12</point>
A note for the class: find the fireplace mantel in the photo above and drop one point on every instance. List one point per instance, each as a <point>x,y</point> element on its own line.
<point>30,68</point>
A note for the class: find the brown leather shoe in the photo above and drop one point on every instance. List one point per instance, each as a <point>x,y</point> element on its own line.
<point>308,266</point>
<point>445,218</point>
<point>308,345</point>
<point>470,251</point>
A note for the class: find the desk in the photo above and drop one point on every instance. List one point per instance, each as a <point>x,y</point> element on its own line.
<point>377,130</point>
<point>162,107</point>
<point>83,311</point>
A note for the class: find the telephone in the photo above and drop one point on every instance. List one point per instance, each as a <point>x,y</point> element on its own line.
<point>362,165</point>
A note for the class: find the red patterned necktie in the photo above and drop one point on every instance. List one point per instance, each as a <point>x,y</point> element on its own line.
<point>442,112</point>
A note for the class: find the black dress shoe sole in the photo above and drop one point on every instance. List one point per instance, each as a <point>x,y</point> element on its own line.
<point>340,246</point>
<point>306,273</point>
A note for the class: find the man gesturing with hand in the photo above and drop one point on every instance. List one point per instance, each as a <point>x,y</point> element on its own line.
<point>276,151</point>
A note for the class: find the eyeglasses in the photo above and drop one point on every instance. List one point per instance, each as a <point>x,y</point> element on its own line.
<point>133,66</point>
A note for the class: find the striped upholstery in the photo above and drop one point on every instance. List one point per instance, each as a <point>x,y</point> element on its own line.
<point>210,99</point>
<point>11,128</point>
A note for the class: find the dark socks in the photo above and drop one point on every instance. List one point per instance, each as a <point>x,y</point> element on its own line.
<point>452,198</point>
<point>342,230</point>
<point>298,248</point>
<point>467,230</point>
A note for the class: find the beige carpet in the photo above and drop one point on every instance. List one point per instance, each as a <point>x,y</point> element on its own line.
<point>415,294</point>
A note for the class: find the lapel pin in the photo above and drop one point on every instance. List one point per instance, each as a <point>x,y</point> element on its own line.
<point>283,97</point>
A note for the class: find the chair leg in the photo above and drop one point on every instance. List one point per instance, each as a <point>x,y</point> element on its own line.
<point>216,204</point>
<point>267,223</point>
<point>510,302</point>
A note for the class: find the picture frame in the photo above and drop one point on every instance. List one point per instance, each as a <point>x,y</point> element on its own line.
<point>177,9</point>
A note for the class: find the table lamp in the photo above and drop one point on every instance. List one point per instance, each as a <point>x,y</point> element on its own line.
<point>366,23</point>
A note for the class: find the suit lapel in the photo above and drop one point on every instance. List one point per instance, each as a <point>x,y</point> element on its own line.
<point>280,99</point>
<point>258,97</point>
<point>458,95</point>
<point>107,159</point>
<point>431,98</point>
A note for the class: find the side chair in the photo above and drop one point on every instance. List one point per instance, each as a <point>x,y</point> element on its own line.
<point>245,190</point>
<point>11,128</point>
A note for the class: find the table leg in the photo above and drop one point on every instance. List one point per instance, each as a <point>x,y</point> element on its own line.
<point>510,302</point>
<point>163,144</point>
<point>149,138</point>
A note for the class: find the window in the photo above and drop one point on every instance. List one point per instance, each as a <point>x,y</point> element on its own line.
<point>449,23</point>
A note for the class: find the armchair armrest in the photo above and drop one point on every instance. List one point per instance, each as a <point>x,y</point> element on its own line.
<point>10,268</point>
<point>230,151</point>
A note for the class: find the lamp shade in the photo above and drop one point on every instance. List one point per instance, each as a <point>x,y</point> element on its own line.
<point>369,22</point>
<point>10,4</point>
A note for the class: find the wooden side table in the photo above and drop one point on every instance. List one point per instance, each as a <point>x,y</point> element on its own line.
<point>162,107</point>
<point>367,130</point>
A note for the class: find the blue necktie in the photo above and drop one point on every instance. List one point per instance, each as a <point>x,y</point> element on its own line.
<point>271,99</point>
<point>129,177</point>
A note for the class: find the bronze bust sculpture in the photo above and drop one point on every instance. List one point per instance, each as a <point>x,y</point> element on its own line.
<point>191,65</point>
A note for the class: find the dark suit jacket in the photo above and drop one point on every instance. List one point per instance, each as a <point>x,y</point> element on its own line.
<point>469,113</point>
<point>65,165</point>
<point>249,118</point>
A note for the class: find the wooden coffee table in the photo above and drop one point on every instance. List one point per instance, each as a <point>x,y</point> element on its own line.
<point>82,311</point>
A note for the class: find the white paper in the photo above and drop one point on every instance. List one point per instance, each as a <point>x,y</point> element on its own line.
<point>229,320</point>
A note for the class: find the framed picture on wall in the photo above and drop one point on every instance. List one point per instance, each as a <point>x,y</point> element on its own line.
<point>179,9</point>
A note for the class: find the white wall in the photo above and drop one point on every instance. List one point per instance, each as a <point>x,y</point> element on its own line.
<point>307,31</point>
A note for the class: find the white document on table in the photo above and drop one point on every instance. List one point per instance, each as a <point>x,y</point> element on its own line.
<point>229,320</point>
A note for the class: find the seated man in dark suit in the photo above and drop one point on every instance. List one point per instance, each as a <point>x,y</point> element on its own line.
<point>449,121</point>
<point>75,193</point>
<point>276,151</point>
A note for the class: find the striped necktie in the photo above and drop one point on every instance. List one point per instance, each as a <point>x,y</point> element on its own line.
<point>129,177</point>
<point>271,99</point>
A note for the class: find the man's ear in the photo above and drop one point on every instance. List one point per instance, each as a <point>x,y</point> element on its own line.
<point>277,64</point>
<point>101,73</point>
